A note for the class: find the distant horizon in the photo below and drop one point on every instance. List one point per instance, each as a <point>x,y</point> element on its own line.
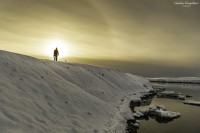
<point>152,70</point>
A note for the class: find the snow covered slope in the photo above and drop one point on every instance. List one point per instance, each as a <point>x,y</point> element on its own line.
<point>41,96</point>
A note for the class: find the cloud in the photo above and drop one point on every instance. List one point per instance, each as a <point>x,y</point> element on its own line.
<point>130,30</point>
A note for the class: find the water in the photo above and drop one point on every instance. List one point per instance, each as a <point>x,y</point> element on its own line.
<point>189,122</point>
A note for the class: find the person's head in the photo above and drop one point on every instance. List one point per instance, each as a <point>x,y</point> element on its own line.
<point>56,48</point>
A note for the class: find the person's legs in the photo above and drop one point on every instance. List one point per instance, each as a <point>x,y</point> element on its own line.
<point>56,58</point>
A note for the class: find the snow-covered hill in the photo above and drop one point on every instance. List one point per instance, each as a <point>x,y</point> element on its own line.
<point>41,96</point>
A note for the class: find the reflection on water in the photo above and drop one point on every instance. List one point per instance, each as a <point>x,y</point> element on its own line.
<point>190,115</point>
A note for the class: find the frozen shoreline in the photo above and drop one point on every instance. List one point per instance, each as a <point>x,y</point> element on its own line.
<point>187,80</point>
<point>46,96</point>
<point>192,102</point>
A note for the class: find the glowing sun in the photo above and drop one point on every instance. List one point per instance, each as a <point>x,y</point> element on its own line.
<point>62,46</point>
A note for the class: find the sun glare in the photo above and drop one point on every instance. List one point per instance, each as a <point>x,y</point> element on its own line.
<point>62,46</point>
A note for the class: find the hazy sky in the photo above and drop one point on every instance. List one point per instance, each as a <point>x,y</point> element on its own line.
<point>155,32</point>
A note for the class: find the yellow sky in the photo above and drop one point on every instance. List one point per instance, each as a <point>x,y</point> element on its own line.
<point>102,29</point>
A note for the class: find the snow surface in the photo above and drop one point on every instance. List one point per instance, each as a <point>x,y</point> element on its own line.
<point>192,102</point>
<point>171,94</point>
<point>157,110</point>
<point>167,114</point>
<point>42,96</point>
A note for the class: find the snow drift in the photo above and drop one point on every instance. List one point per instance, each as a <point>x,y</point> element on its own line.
<point>41,96</point>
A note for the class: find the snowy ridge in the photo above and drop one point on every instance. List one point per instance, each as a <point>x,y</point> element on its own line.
<point>41,96</point>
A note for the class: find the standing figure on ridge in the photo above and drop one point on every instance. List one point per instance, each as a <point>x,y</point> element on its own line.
<point>55,54</point>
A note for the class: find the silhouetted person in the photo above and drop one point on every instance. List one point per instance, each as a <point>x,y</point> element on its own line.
<point>55,54</point>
